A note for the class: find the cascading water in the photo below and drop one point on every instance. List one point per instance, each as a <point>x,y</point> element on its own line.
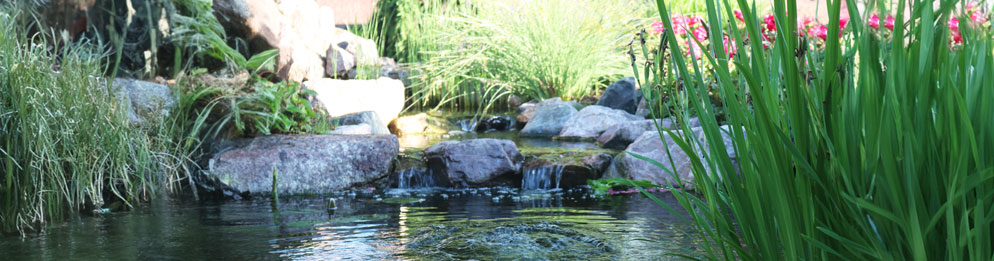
<point>415,178</point>
<point>542,178</point>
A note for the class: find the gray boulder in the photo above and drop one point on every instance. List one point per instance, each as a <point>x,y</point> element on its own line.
<point>622,134</point>
<point>369,118</point>
<point>384,96</point>
<point>650,145</point>
<point>358,129</point>
<point>146,101</point>
<point>304,163</point>
<point>548,119</point>
<point>643,109</point>
<point>589,123</point>
<point>475,163</point>
<point>339,63</point>
<point>622,95</point>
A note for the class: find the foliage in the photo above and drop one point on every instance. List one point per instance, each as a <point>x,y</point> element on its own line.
<point>470,55</point>
<point>875,145</point>
<point>65,139</point>
<point>196,31</point>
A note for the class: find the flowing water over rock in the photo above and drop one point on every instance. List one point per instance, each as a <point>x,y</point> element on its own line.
<point>415,178</point>
<point>548,177</point>
<point>404,224</point>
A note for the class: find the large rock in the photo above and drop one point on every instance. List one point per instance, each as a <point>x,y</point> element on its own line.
<point>358,129</point>
<point>622,134</point>
<point>527,110</point>
<point>369,118</point>
<point>296,63</point>
<point>421,123</point>
<point>650,145</point>
<point>548,119</point>
<point>475,163</point>
<point>589,123</point>
<point>563,167</point>
<point>339,63</point>
<point>384,96</point>
<point>622,95</point>
<point>146,101</point>
<point>258,22</point>
<point>304,163</point>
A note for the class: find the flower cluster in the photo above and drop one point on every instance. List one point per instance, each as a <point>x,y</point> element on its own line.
<point>691,29</point>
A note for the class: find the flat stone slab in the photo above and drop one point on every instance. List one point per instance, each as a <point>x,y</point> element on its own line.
<point>304,163</point>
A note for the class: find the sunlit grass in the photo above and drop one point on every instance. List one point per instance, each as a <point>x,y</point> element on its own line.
<point>867,149</point>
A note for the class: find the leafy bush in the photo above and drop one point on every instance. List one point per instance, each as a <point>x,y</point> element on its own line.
<point>874,145</point>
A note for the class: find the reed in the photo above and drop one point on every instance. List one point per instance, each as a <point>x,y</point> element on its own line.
<point>873,146</point>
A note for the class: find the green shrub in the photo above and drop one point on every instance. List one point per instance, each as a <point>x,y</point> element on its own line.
<point>864,148</point>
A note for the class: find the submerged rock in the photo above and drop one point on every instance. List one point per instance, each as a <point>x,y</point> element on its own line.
<point>146,101</point>
<point>622,134</point>
<point>384,96</point>
<point>421,123</point>
<point>304,163</point>
<point>548,119</point>
<point>475,163</point>
<point>565,167</point>
<point>622,95</point>
<point>589,123</point>
<point>509,241</point>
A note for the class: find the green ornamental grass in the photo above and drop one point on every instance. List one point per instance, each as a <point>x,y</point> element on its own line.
<point>877,145</point>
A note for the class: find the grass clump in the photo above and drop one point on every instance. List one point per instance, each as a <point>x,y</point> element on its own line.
<point>65,140</point>
<point>861,147</point>
<point>470,55</point>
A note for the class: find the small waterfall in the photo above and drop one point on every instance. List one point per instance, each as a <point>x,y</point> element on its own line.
<point>415,178</point>
<point>467,125</point>
<point>542,178</point>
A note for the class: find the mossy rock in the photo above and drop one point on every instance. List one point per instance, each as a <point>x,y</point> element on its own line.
<point>578,165</point>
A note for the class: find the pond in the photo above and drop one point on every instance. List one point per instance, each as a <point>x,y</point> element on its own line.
<point>398,224</point>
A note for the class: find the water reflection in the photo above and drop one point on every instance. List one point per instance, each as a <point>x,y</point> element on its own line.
<point>370,226</point>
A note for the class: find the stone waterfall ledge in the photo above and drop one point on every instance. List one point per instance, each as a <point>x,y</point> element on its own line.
<point>577,165</point>
<point>304,163</point>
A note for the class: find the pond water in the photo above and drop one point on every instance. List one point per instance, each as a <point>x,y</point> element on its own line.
<point>399,224</point>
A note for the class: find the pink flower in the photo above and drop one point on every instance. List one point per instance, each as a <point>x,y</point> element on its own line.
<point>738,15</point>
<point>842,23</point>
<point>874,21</point>
<point>610,191</point>
<point>978,17</point>
<point>658,28</point>
<point>695,48</point>
<point>957,38</point>
<point>954,24</point>
<point>652,189</point>
<point>821,31</point>
<point>679,25</point>
<point>771,23</point>
<point>806,23</point>
<point>700,34</point>
<point>730,47</point>
<point>889,22</point>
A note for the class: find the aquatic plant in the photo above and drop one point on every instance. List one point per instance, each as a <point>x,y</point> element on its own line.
<point>874,145</point>
<point>65,139</point>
